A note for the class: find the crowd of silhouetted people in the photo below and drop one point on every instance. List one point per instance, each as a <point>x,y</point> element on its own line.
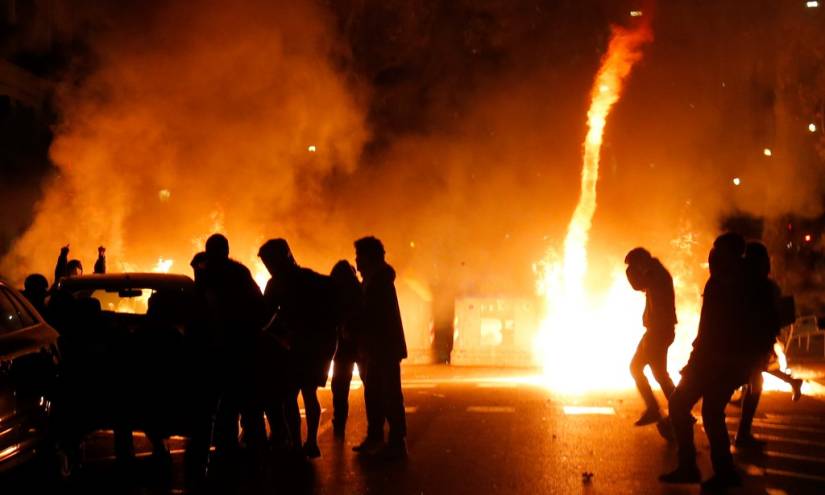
<point>741,317</point>
<point>254,353</point>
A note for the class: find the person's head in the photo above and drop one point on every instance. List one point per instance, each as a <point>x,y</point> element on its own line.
<point>369,254</point>
<point>757,260</point>
<point>638,262</point>
<point>726,257</point>
<point>198,264</point>
<point>276,256</point>
<point>638,258</point>
<point>343,275</point>
<point>74,268</point>
<point>217,247</point>
<point>36,285</point>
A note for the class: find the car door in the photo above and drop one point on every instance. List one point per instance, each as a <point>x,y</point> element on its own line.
<point>29,370</point>
<point>9,323</point>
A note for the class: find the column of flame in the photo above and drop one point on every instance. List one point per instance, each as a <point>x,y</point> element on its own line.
<point>570,318</point>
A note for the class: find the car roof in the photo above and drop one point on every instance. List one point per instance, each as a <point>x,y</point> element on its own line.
<point>155,281</point>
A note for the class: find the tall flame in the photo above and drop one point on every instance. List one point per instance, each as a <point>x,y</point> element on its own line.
<point>572,326</point>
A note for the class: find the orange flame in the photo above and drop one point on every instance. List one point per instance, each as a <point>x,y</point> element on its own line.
<point>571,326</point>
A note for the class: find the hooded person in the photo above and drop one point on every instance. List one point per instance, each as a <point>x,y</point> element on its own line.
<point>765,320</point>
<point>721,361</point>
<point>381,347</point>
<point>647,274</point>
<point>300,302</point>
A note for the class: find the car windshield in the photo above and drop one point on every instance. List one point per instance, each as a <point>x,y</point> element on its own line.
<point>131,301</point>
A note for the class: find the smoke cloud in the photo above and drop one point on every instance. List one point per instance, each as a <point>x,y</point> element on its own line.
<point>452,130</point>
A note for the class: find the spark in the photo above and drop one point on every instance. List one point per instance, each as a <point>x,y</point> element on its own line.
<point>636,13</point>
<point>812,4</point>
<point>736,181</point>
<point>164,195</point>
<point>767,152</point>
<point>311,148</point>
<point>812,127</point>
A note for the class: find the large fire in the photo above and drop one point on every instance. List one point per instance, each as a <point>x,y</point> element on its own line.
<point>585,340</point>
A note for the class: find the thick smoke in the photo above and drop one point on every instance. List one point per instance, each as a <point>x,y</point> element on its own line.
<point>452,130</point>
<point>220,117</point>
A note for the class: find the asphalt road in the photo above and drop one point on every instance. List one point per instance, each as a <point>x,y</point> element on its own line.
<point>482,431</point>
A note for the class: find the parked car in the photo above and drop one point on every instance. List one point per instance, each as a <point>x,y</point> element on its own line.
<point>125,355</point>
<point>29,376</point>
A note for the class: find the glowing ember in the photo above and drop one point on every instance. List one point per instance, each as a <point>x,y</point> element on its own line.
<point>737,181</point>
<point>767,152</point>
<point>164,195</point>
<point>580,341</point>
<point>812,127</point>
<point>311,148</point>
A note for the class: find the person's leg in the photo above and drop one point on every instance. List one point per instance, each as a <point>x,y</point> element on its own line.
<point>394,405</point>
<point>226,424</point>
<point>680,404</point>
<point>293,417</point>
<point>341,380</point>
<point>373,402</point>
<point>313,419</point>
<point>657,359</point>
<point>715,399</point>
<point>795,383</point>
<point>750,401</point>
<point>313,412</point>
<point>637,370</point>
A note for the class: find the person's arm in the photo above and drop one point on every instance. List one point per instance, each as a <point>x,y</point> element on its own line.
<point>100,264</point>
<point>60,268</point>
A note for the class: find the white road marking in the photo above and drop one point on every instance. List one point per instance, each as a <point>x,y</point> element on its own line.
<point>780,426</point>
<point>491,409</point>
<point>795,457</point>
<point>798,441</point>
<point>585,410</point>
<point>792,474</point>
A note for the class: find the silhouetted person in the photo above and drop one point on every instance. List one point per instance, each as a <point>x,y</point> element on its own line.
<point>647,274</point>
<point>100,264</point>
<point>205,381</point>
<point>302,302</point>
<point>36,288</point>
<point>348,307</point>
<point>235,312</point>
<point>765,322</point>
<point>66,267</point>
<point>382,347</point>
<point>722,360</point>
